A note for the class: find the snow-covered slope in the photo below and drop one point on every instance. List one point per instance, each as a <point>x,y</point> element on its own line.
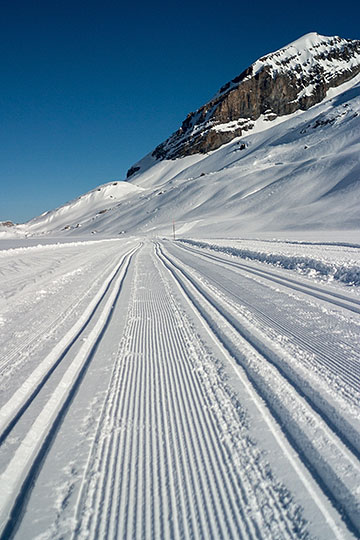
<point>299,171</point>
<point>83,211</point>
<point>302,172</point>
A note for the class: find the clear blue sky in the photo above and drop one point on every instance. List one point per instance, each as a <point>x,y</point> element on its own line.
<point>90,87</point>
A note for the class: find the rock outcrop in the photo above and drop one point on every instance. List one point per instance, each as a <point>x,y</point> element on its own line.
<point>293,78</point>
<point>7,224</point>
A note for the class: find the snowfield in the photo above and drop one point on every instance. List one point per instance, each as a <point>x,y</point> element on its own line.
<point>180,353</point>
<point>153,388</point>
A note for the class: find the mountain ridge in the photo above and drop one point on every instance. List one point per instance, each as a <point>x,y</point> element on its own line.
<point>295,77</point>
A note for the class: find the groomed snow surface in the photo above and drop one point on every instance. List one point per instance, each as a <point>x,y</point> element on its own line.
<point>153,388</point>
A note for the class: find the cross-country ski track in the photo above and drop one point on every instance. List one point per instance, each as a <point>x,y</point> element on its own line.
<point>167,391</point>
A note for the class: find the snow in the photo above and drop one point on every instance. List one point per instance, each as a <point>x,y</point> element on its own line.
<point>195,383</point>
<point>306,52</point>
<point>96,202</point>
<point>325,262</point>
<point>206,386</point>
<point>303,57</point>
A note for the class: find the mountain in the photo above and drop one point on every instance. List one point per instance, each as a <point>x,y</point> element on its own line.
<point>277,148</point>
<point>293,78</point>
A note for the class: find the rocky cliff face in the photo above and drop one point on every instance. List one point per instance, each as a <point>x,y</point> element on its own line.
<point>295,77</point>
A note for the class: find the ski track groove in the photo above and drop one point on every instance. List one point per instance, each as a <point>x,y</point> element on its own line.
<point>21,400</point>
<point>310,414</point>
<point>312,290</point>
<point>252,530</point>
<point>327,354</point>
<point>32,341</point>
<point>252,476</point>
<point>158,466</point>
<point>23,467</point>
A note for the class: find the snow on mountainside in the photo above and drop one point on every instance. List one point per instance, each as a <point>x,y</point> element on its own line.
<point>299,171</point>
<point>293,78</point>
<point>84,211</point>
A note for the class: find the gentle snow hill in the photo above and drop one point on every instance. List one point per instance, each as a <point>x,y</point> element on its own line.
<point>83,211</point>
<point>297,172</point>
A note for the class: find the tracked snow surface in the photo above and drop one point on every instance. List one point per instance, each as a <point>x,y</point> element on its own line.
<point>179,354</point>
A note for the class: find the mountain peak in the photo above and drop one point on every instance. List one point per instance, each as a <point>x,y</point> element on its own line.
<point>295,77</point>
<point>308,40</point>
